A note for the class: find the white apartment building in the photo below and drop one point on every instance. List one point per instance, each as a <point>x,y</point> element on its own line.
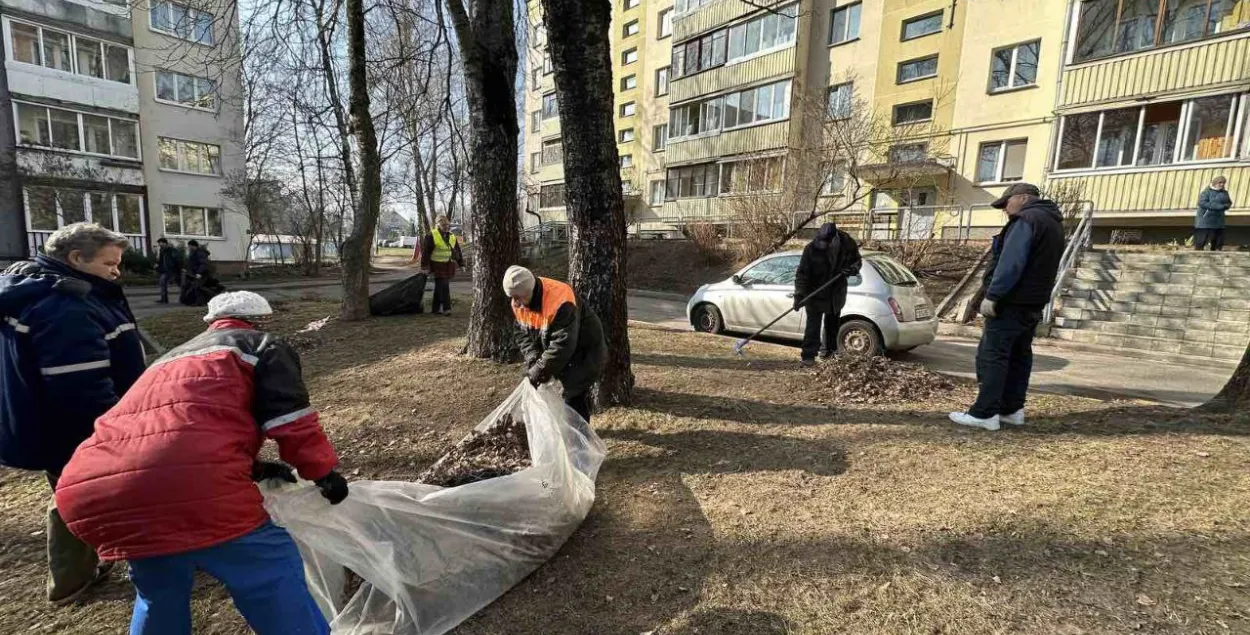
<point>122,115</point>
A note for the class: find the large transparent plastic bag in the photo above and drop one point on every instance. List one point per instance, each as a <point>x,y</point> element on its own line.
<point>429,556</point>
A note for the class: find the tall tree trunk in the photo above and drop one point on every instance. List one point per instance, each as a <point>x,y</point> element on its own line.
<point>358,248</point>
<point>578,37</point>
<point>1235,397</point>
<point>484,32</point>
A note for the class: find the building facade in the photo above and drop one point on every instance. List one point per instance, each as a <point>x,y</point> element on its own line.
<point>123,115</point>
<point>1131,105</point>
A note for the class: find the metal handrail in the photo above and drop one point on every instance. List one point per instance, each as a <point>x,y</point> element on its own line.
<point>1072,253</point>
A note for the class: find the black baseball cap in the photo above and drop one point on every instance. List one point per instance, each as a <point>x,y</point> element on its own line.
<point>1014,190</point>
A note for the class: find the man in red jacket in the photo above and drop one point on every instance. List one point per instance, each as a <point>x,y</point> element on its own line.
<point>166,480</point>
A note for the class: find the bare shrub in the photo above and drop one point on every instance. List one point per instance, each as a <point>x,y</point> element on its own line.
<point>708,241</point>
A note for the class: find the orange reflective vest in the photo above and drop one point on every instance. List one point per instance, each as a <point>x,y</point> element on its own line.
<point>555,294</point>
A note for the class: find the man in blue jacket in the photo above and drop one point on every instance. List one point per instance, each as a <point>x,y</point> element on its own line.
<point>69,349</point>
<point>1019,282</point>
<point>1213,205</point>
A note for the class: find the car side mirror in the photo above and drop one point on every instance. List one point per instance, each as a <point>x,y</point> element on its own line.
<point>738,280</point>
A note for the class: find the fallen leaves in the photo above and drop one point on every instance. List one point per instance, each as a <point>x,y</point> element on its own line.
<point>878,380</point>
<point>499,450</point>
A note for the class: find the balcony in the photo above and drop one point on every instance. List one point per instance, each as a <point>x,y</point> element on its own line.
<point>1200,65</point>
<point>757,138</point>
<point>1156,192</point>
<point>776,65</point>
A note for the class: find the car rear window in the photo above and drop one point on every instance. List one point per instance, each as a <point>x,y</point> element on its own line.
<point>892,272</point>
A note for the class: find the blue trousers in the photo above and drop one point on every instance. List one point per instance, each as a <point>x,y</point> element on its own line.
<point>262,571</point>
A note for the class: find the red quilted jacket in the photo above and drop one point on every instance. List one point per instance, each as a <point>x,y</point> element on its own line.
<point>168,469</point>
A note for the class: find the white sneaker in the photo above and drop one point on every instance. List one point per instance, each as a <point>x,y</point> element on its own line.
<point>1016,418</point>
<point>965,419</point>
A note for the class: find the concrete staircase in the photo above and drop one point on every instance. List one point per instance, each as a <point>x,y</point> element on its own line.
<point>1191,306</point>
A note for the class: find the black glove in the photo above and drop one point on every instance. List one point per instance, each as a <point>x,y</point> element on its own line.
<point>333,487</point>
<point>798,302</point>
<point>534,375</point>
<point>265,470</point>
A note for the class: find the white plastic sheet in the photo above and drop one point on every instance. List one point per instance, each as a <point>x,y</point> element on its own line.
<point>430,557</point>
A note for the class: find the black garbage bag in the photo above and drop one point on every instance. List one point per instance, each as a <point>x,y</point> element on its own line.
<point>198,291</point>
<point>402,298</point>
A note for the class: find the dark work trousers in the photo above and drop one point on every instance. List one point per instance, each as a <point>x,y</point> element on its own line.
<point>1213,237</point>
<point>442,295</point>
<point>580,403</point>
<point>823,319</point>
<point>164,281</point>
<point>1005,361</point>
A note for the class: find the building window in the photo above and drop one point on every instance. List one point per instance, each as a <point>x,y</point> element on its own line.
<point>65,130</point>
<point>199,222</point>
<point>49,209</point>
<point>1014,66</point>
<point>626,135</point>
<point>770,102</point>
<point>69,53</point>
<point>630,4</point>
<point>629,57</point>
<point>834,184</point>
<point>657,193</point>
<point>535,75</point>
<point>181,21</point>
<point>548,67</point>
<point>770,32</point>
<point>844,25</point>
<point>551,196</point>
<point>188,90</point>
<point>918,69</point>
<point>1001,161</point>
<point>629,82</point>
<point>553,152</point>
<point>627,161</point>
<point>751,176</point>
<point>536,161</point>
<point>685,6</point>
<point>659,138</point>
<point>536,119</point>
<point>699,54</point>
<point>839,101</point>
<point>922,26</point>
<point>909,153</point>
<point>913,113</point>
<point>551,109</point>
<point>1193,130</point>
<point>661,81</point>
<point>1108,27</point>
<point>189,156</point>
<point>628,109</point>
<point>666,24</point>
<point>692,181</point>
<point>631,28</point>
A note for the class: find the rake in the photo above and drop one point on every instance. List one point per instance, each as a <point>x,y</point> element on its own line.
<point>742,344</point>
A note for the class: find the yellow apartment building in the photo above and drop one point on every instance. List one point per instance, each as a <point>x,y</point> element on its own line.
<point>1133,104</point>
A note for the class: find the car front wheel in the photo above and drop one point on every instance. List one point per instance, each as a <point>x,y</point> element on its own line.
<point>859,337</point>
<point>707,319</point>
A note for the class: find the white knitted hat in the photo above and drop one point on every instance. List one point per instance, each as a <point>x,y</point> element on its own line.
<point>518,281</point>
<point>237,304</point>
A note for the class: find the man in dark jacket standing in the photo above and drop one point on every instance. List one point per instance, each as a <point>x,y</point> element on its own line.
<point>69,350</point>
<point>832,254</point>
<point>1213,204</point>
<point>169,267</point>
<point>1019,282</point>
<point>440,254</point>
<point>559,336</point>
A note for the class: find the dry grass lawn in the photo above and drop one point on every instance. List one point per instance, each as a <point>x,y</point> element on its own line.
<point>737,501</point>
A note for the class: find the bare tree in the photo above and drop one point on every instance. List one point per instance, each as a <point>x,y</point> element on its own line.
<point>578,38</point>
<point>485,34</point>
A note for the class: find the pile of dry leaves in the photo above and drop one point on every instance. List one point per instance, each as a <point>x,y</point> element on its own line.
<point>878,380</point>
<point>499,450</point>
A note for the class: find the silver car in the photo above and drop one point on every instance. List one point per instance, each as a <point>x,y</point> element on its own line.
<point>886,307</point>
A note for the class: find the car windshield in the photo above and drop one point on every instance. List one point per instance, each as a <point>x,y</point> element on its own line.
<point>778,270</point>
<point>893,273</point>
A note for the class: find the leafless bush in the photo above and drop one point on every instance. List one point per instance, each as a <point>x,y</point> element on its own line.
<point>707,241</point>
<point>1069,195</point>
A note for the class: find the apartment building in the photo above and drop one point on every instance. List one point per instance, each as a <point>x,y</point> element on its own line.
<point>122,115</point>
<point>1133,105</point>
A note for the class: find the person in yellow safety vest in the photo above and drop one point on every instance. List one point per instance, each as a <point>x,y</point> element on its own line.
<point>440,254</point>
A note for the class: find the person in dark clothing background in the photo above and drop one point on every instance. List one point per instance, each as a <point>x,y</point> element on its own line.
<point>440,254</point>
<point>169,266</point>
<point>1019,281</point>
<point>198,286</point>
<point>69,351</point>
<point>559,336</point>
<point>1213,205</point>
<point>832,253</point>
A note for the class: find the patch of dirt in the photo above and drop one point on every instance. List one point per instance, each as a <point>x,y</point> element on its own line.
<point>499,450</point>
<point>670,266</point>
<point>877,380</point>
